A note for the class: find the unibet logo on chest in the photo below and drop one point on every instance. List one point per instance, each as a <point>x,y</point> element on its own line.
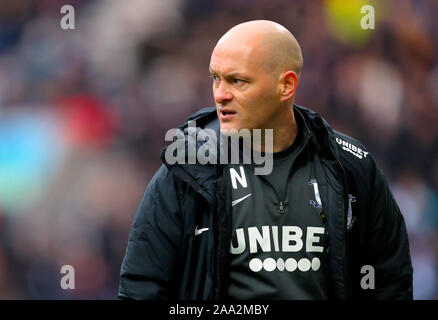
<point>290,241</point>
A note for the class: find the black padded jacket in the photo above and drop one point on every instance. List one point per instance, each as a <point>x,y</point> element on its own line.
<point>165,260</point>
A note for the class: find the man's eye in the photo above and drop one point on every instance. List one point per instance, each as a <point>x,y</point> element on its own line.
<point>214,77</point>
<point>238,81</point>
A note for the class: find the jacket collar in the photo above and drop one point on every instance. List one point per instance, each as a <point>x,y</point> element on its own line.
<point>202,177</point>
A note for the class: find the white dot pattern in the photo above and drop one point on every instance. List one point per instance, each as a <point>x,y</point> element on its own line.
<point>316,263</point>
<point>290,265</point>
<point>304,264</point>
<point>269,264</point>
<point>256,265</point>
<point>280,264</point>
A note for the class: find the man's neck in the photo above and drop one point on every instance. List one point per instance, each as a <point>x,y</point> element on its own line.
<point>284,133</point>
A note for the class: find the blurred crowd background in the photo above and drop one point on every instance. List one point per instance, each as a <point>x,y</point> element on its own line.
<point>83,114</point>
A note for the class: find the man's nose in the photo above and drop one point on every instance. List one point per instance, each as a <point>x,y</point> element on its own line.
<point>222,93</point>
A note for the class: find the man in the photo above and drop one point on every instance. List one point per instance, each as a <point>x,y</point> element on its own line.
<point>322,225</point>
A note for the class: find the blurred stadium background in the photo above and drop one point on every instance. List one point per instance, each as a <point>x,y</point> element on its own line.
<point>83,115</point>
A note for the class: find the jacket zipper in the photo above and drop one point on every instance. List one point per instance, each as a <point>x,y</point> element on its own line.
<point>281,209</point>
<point>348,285</point>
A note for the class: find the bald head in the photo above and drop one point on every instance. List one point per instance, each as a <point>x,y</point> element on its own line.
<point>255,68</point>
<point>266,43</point>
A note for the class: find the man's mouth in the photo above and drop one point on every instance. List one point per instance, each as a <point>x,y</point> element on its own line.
<point>226,111</point>
<point>227,114</point>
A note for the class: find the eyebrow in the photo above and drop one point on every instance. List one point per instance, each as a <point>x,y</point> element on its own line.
<point>229,75</point>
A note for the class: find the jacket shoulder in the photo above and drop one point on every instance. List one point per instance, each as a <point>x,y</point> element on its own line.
<point>201,117</point>
<point>350,147</point>
<point>355,157</point>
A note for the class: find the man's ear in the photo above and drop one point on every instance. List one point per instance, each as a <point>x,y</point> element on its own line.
<point>289,85</point>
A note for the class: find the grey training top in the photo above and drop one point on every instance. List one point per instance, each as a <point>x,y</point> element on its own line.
<point>278,241</point>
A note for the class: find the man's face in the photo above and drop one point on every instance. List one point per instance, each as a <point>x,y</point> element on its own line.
<point>245,91</point>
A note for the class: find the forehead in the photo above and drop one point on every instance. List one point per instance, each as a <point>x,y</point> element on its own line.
<point>234,58</point>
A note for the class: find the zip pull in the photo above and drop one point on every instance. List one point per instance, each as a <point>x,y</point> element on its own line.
<point>323,218</point>
<point>281,210</point>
